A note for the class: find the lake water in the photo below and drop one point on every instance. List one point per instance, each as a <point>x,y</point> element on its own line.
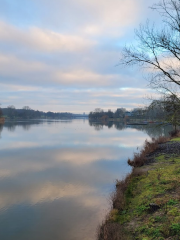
<point>56,176</point>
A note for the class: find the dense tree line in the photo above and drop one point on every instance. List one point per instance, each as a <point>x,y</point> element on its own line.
<point>120,113</point>
<point>99,113</point>
<point>27,113</point>
<point>165,110</point>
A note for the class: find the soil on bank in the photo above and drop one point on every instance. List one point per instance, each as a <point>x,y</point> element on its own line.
<point>146,204</point>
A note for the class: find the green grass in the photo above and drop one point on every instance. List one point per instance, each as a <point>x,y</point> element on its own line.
<point>159,186</point>
<point>172,202</point>
<point>176,139</point>
<point>175,228</point>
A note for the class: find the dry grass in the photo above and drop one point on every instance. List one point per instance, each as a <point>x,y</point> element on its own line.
<point>111,231</point>
<point>174,133</point>
<point>118,197</point>
<point>140,158</point>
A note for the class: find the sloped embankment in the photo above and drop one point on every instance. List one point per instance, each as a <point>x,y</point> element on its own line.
<point>146,204</point>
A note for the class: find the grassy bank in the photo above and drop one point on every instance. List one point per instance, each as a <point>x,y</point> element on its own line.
<point>146,204</point>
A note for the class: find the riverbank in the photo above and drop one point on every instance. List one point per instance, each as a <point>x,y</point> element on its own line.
<point>2,120</point>
<point>146,204</point>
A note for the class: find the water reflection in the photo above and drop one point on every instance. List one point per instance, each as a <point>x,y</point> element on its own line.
<point>151,129</point>
<point>55,178</point>
<point>26,125</point>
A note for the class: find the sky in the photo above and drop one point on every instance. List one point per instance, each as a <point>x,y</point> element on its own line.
<point>63,55</point>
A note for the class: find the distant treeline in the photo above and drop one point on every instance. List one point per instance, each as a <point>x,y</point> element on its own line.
<point>162,110</point>
<point>99,113</point>
<point>27,113</point>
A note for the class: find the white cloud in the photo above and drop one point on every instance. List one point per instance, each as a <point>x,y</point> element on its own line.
<point>33,73</point>
<point>13,66</point>
<point>75,100</point>
<point>109,16</point>
<point>85,77</point>
<point>69,44</point>
<point>43,39</point>
<point>91,16</point>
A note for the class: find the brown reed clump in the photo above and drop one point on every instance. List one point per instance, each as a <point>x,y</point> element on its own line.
<point>112,231</point>
<point>175,133</point>
<point>140,158</point>
<point>118,197</point>
<point>137,172</point>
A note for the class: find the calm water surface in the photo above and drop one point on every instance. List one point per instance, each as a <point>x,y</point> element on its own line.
<point>56,177</point>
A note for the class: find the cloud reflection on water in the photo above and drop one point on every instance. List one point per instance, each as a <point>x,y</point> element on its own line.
<point>59,176</point>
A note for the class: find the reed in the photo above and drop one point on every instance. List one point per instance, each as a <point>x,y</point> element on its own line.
<point>139,159</point>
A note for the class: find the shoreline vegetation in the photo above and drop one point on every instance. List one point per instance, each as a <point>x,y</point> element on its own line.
<point>146,203</point>
<point>2,120</point>
<point>26,113</point>
<point>156,113</point>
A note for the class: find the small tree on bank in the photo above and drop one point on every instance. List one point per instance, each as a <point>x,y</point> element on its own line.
<point>171,104</point>
<point>166,109</point>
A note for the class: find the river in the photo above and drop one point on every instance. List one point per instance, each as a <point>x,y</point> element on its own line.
<point>56,176</point>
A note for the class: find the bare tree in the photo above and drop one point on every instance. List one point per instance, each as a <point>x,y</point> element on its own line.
<point>26,108</point>
<point>158,49</point>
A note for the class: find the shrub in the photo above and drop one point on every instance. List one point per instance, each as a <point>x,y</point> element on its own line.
<point>112,231</point>
<point>140,158</point>
<point>175,133</point>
